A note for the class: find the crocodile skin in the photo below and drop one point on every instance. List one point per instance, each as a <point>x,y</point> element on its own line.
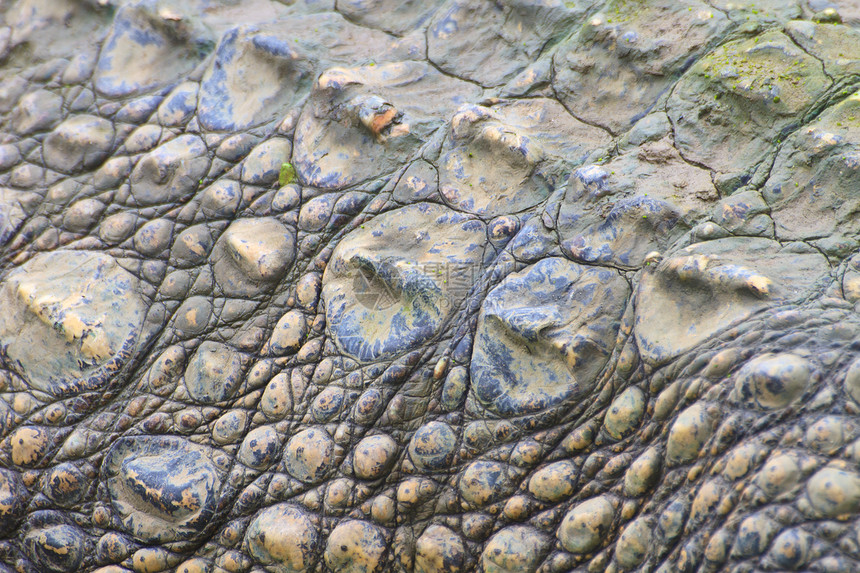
<point>439,286</point>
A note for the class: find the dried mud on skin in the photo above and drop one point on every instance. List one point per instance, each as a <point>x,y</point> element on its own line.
<point>434,287</point>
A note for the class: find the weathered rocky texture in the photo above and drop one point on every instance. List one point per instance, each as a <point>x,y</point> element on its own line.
<point>391,286</point>
<point>394,16</point>
<point>71,320</point>
<point>366,122</point>
<point>707,287</point>
<point>490,42</point>
<point>260,72</point>
<point>50,29</point>
<point>512,156</point>
<point>735,102</point>
<point>606,353</point>
<point>846,11</point>
<point>618,212</point>
<point>626,55</point>
<point>163,489</point>
<point>150,45</point>
<point>835,45</point>
<point>544,335</point>
<point>761,12</point>
<point>808,190</point>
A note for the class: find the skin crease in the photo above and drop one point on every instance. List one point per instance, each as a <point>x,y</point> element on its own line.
<point>432,287</point>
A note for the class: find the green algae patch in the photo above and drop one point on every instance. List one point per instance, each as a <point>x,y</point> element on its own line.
<point>287,175</point>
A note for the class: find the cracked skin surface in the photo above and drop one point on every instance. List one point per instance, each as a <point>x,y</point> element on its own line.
<point>435,287</point>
